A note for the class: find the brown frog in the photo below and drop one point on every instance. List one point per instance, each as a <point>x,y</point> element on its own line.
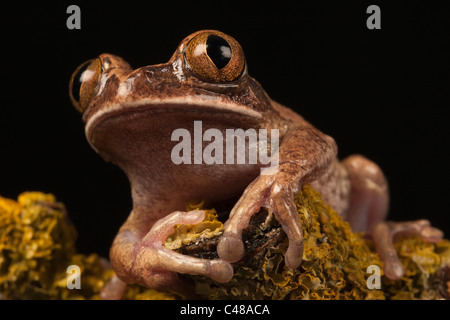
<point>130,117</point>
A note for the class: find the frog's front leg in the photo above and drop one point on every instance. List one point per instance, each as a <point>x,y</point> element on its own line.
<point>143,259</point>
<point>304,155</point>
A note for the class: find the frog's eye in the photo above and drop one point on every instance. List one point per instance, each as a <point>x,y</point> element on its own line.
<point>215,57</point>
<point>83,83</point>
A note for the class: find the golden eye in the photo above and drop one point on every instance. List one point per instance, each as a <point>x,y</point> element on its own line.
<point>83,83</point>
<point>215,57</point>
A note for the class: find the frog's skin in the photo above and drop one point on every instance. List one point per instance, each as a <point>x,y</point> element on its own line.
<point>130,116</point>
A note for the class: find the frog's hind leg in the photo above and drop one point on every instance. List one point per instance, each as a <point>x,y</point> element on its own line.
<point>369,196</point>
<point>369,201</point>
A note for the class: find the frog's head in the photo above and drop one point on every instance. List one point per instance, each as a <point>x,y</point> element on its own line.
<point>206,79</point>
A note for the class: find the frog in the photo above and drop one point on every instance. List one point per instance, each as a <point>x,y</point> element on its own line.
<point>130,116</point>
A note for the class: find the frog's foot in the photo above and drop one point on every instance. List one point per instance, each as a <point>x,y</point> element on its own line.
<point>147,262</point>
<point>277,196</point>
<point>114,289</point>
<point>384,234</point>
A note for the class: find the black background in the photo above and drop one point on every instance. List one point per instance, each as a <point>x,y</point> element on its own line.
<point>382,93</point>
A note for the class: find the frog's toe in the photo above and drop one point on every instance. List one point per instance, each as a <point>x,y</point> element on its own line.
<point>384,233</point>
<point>220,271</point>
<point>423,229</point>
<point>165,227</point>
<point>230,248</point>
<point>283,206</point>
<point>114,289</point>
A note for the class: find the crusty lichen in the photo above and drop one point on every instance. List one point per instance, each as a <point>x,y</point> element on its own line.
<point>427,271</point>
<point>35,238</point>
<point>334,264</point>
<point>37,244</point>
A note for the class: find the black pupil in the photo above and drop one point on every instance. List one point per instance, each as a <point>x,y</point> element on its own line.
<point>77,81</point>
<point>218,50</point>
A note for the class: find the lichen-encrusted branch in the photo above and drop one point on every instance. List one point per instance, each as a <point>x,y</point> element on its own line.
<point>37,244</point>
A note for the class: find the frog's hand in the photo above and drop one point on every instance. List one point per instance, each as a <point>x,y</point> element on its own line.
<point>278,198</point>
<point>383,236</point>
<point>147,262</point>
<point>298,164</point>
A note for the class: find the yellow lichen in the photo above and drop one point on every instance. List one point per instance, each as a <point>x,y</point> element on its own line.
<point>422,262</point>
<point>185,234</point>
<point>35,237</point>
<point>334,263</point>
<point>37,244</point>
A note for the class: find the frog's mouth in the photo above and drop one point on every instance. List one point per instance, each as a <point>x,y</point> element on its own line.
<point>160,116</point>
<point>175,105</point>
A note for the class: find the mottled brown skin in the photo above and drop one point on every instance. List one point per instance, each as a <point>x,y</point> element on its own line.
<point>129,121</point>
